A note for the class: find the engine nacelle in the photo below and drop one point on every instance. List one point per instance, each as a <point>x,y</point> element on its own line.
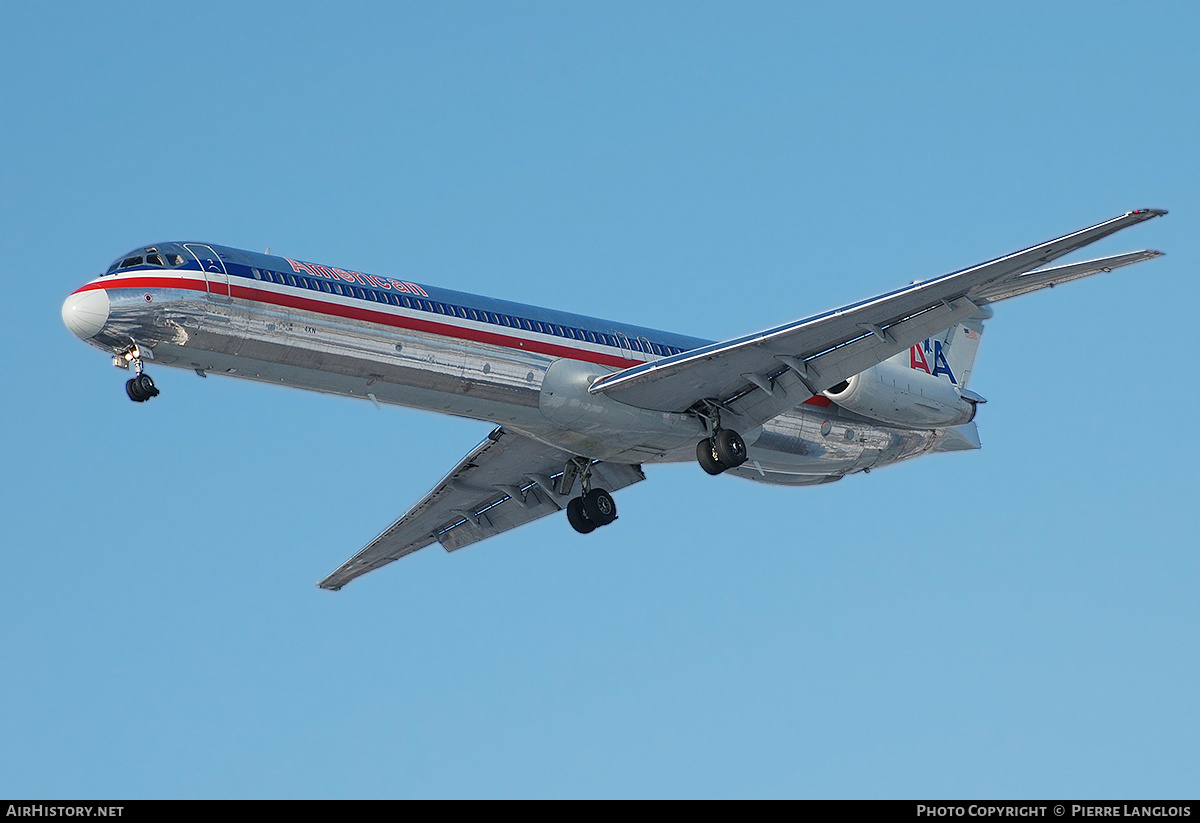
<point>900,396</point>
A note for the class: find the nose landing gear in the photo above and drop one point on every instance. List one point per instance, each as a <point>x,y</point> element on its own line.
<point>140,388</point>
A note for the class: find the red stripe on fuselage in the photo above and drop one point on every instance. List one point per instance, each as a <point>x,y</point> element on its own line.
<point>146,283</point>
<point>372,316</point>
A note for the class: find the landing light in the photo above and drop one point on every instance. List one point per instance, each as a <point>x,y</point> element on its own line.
<point>134,355</point>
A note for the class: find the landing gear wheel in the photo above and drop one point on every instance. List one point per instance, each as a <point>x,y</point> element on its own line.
<point>140,388</point>
<point>578,520</point>
<point>599,507</point>
<point>729,448</point>
<point>706,455</point>
<point>146,385</point>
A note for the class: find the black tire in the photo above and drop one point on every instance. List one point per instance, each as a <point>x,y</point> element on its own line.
<point>578,520</point>
<point>131,389</point>
<point>599,507</point>
<point>707,457</point>
<point>146,386</point>
<point>729,448</point>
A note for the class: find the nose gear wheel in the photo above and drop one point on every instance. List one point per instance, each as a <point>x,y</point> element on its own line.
<point>140,388</point>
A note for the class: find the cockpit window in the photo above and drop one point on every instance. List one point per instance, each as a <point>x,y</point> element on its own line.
<point>166,255</point>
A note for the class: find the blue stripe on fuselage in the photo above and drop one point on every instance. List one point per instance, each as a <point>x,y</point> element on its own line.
<point>241,264</point>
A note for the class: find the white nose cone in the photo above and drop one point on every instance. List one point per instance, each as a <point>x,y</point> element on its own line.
<point>86,312</point>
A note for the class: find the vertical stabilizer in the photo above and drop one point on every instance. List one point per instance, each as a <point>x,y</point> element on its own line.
<point>951,354</point>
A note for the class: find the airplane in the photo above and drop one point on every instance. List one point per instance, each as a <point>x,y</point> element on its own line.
<point>580,404</point>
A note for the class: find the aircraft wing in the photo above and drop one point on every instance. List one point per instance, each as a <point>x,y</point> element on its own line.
<point>504,482</point>
<point>762,375</point>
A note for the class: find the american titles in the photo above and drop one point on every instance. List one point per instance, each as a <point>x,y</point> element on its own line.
<point>330,273</point>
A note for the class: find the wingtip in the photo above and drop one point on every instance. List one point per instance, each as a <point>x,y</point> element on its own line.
<point>1148,212</point>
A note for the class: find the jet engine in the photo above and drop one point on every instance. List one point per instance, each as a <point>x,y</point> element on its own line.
<point>901,396</point>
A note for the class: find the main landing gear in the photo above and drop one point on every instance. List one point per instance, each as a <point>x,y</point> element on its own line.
<point>723,451</point>
<point>594,508</point>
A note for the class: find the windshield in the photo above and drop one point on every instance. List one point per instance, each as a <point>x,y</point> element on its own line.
<point>164,255</point>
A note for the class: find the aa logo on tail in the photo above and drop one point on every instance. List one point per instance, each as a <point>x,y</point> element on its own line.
<point>918,359</point>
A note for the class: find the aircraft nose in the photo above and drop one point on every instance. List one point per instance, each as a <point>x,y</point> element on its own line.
<point>86,312</point>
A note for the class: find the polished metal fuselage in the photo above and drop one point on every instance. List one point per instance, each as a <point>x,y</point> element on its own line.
<point>542,395</point>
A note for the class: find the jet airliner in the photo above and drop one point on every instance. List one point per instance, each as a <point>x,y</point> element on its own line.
<point>580,404</point>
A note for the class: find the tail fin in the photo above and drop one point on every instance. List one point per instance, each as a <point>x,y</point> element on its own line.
<point>951,354</point>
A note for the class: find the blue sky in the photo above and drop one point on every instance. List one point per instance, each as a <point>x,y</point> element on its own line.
<point>1014,622</point>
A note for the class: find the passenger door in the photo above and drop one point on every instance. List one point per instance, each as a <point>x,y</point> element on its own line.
<point>214,271</point>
